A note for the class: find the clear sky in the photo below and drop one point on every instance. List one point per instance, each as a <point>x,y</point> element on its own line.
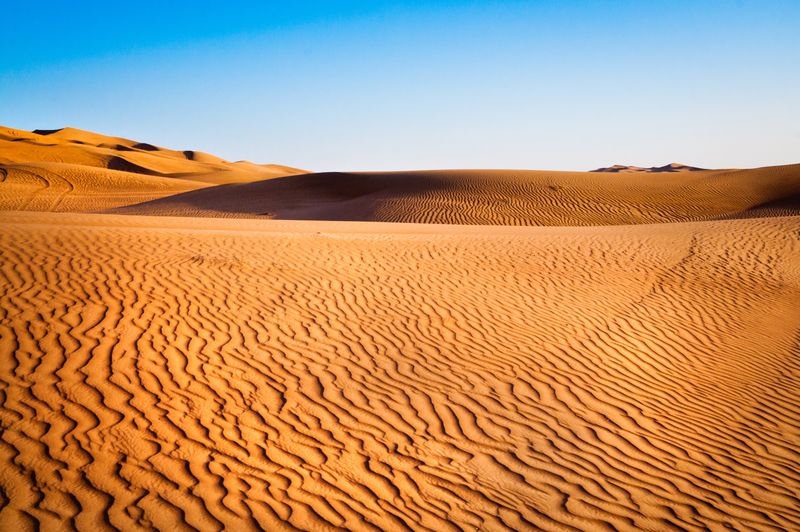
<point>337,85</point>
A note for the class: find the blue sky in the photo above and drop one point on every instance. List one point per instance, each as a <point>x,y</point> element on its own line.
<point>396,85</point>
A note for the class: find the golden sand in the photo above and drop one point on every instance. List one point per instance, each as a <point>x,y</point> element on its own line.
<point>73,170</point>
<point>190,372</point>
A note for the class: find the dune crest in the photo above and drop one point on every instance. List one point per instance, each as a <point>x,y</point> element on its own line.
<point>497,197</point>
<point>75,170</point>
<point>671,167</point>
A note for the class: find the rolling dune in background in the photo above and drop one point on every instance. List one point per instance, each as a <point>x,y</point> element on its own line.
<point>497,197</point>
<point>73,170</point>
<point>177,373</point>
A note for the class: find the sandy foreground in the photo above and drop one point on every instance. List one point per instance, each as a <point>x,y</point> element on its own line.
<point>214,373</point>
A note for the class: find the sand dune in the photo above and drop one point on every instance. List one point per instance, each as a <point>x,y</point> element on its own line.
<point>502,197</point>
<point>177,373</point>
<point>671,167</point>
<point>75,188</point>
<point>70,169</point>
<point>174,373</point>
<point>74,170</point>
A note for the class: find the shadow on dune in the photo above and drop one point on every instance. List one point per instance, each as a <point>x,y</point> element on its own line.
<point>322,196</point>
<point>785,206</point>
<point>118,163</point>
<point>145,146</point>
<point>492,197</point>
<point>47,131</point>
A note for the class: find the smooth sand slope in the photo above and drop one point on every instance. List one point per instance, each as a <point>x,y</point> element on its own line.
<point>237,374</point>
<point>505,197</point>
<point>73,170</point>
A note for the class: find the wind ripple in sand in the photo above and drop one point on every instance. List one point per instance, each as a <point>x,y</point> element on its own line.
<point>497,197</point>
<point>320,376</point>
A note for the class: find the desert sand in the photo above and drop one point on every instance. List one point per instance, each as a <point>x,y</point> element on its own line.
<point>635,365</point>
<point>496,197</point>
<point>671,167</point>
<point>73,170</point>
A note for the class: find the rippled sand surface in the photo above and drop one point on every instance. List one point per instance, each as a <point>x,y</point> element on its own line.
<point>185,373</point>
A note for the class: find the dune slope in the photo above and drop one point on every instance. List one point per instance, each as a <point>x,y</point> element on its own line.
<point>671,167</point>
<point>73,170</point>
<point>178,373</point>
<point>74,188</point>
<point>502,197</point>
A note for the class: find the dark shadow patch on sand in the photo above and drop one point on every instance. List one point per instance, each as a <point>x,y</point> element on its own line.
<point>118,163</point>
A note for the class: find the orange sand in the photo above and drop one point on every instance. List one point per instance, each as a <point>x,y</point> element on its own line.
<point>204,373</point>
<point>504,197</point>
<point>74,170</point>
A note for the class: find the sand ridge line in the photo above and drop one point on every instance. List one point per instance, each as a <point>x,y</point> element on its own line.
<point>497,197</point>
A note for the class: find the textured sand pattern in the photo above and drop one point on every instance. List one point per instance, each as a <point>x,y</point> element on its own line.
<point>497,197</point>
<point>178,373</point>
<point>71,187</point>
<point>74,170</point>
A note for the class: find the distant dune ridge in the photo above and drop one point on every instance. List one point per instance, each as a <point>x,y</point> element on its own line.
<point>672,167</point>
<point>73,170</point>
<point>497,197</point>
<point>285,370</point>
<point>70,169</point>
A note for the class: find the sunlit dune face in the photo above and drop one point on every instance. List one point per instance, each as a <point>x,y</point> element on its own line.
<point>74,170</point>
